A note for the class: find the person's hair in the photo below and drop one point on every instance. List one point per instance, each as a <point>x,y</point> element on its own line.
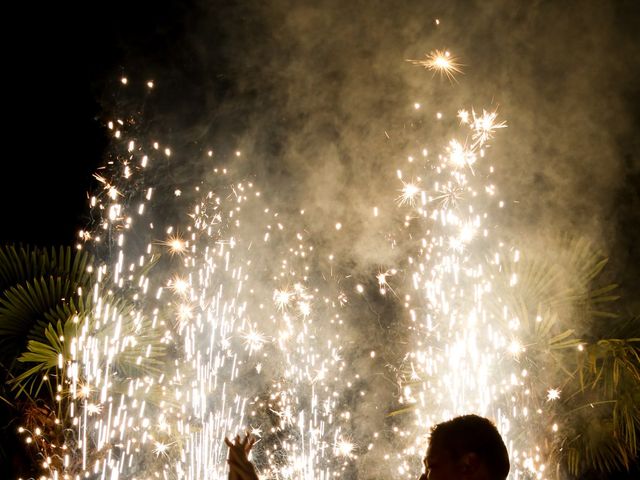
<point>473,434</point>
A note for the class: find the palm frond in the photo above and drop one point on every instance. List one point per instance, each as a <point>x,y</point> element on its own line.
<point>560,279</point>
<point>34,283</point>
<point>25,305</point>
<point>570,326</point>
<point>46,355</point>
<point>18,265</point>
<point>596,448</point>
<point>401,411</point>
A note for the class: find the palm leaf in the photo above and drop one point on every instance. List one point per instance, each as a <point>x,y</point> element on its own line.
<point>559,279</point>
<point>596,448</point>
<point>561,306</point>
<point>34,283</point>
<point>45,355</point>
<point>24,306</point>
<point>18,265</point>
<point>605,438</point>
<point>402,411</point>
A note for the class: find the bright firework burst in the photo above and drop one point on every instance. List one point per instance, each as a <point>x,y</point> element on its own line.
<point>440,61</point>
<point>409,193</point>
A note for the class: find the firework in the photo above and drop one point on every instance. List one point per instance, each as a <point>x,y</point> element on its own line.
<point>233,321</point>
<point>441,62</point>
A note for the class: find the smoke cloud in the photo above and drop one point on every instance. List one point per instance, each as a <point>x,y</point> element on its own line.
<point>319,98</point>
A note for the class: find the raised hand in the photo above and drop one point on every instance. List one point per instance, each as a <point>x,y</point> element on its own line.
<point>240,468</point>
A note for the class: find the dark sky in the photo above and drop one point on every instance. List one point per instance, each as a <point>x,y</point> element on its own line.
<point>237,67</point>
<point>62,63</point>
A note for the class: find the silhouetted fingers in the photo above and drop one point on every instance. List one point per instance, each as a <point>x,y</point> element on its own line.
<point>250,442</point>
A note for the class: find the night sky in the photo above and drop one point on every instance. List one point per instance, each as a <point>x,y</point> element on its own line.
<point>61,64</point>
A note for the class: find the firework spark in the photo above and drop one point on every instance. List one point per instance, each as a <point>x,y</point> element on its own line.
<point>409,193</point>
<point>553,394</point>
<point>441,62</point>
<point>175,244</point>
<point>484,126</point>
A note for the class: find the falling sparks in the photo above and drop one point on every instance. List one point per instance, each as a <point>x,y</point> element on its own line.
<point>221,329</point>
<point>112,191</point>
<point>460,359</point>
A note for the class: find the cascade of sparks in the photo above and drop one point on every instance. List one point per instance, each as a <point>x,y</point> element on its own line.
<point>239,327</point>
<point>233,340</point>
<point>465,343</point>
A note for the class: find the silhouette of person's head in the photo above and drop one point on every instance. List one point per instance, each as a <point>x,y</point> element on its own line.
<point>466,448</point>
